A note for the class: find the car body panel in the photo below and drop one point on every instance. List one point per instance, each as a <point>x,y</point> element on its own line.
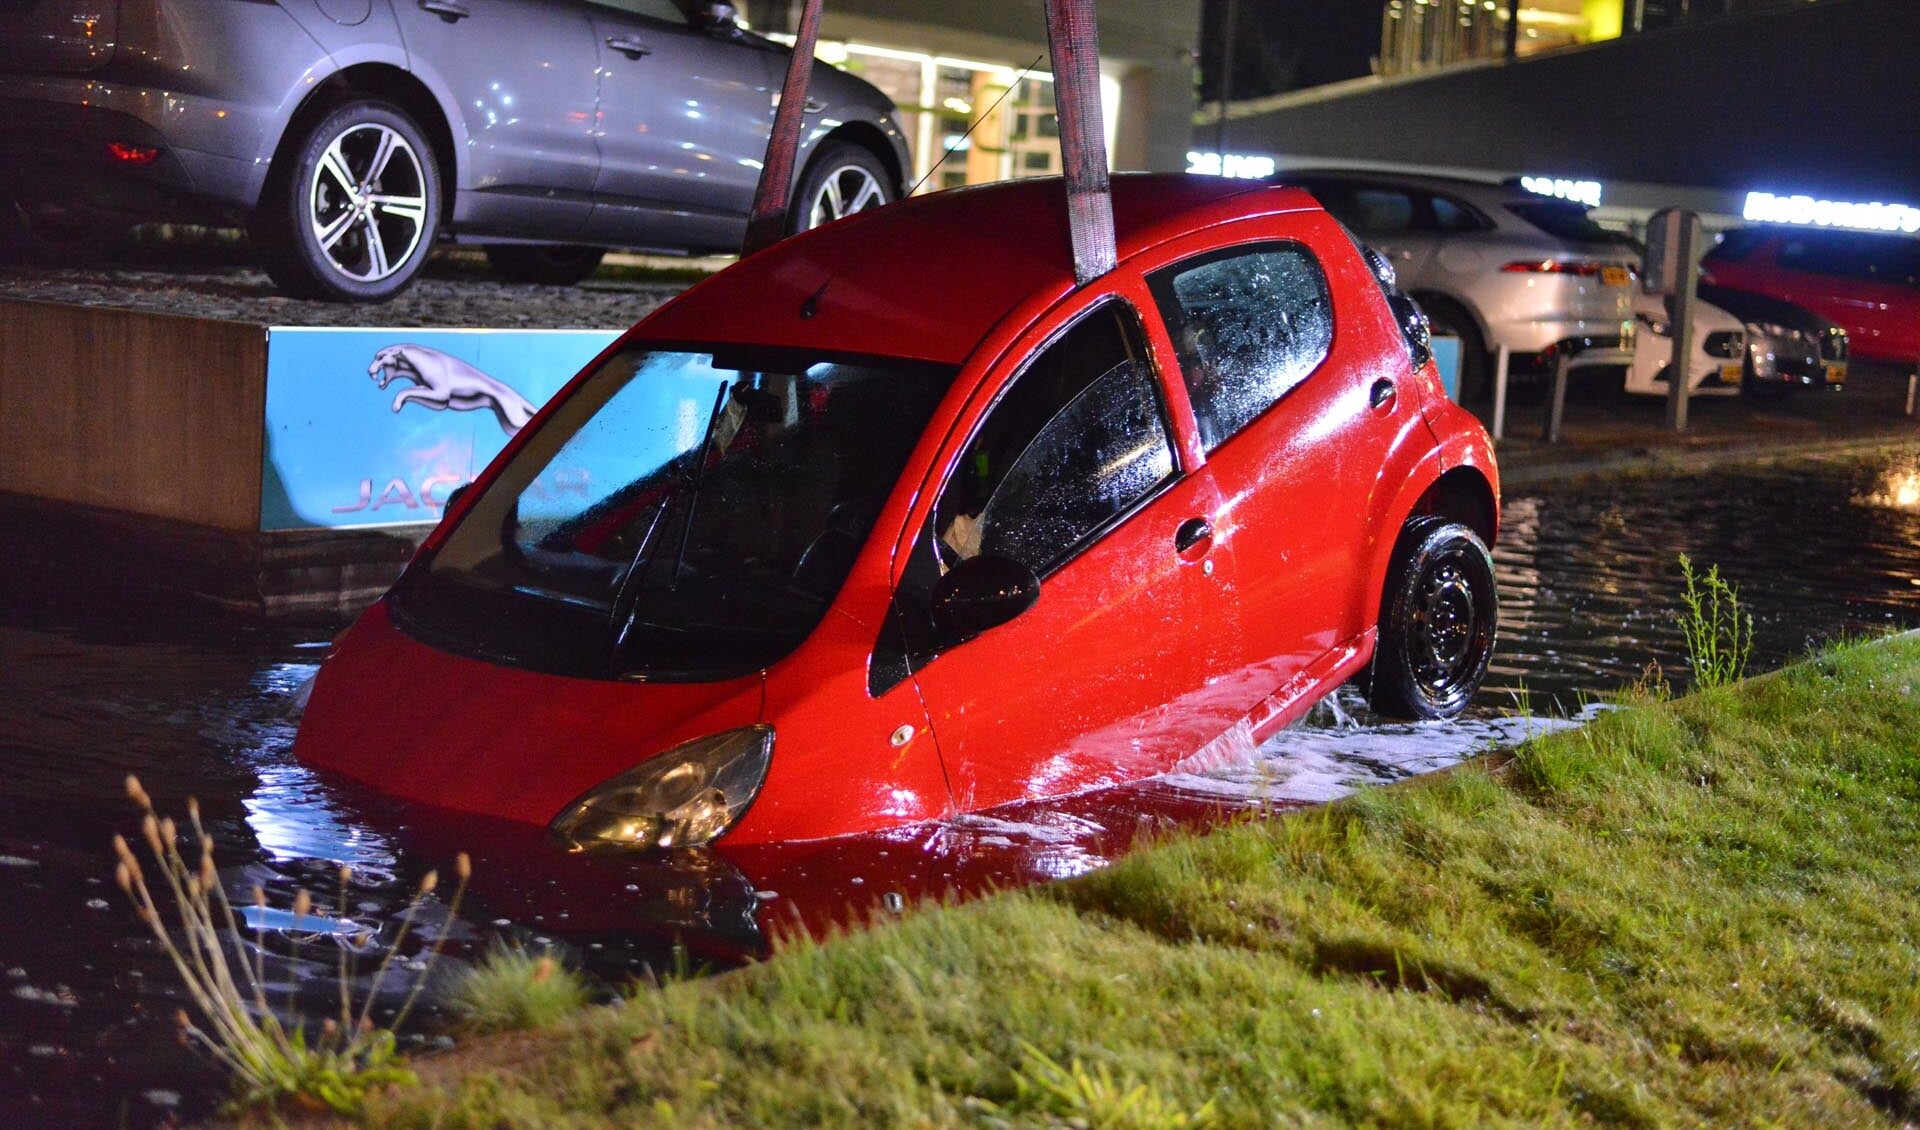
<point>1868,283</point>
<point>1710,371</point>
<point>1138,654</point>
<point>528,113</point>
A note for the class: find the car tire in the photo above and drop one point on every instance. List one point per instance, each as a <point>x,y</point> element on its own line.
<point>1437,619</point>
<point>549,264</point>
<point>322,237</point>
<point>843,178</point>
<point>1447,318</point>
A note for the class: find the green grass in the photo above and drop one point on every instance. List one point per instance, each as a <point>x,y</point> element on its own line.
<point>1702,912</point>
<point>511,988</point>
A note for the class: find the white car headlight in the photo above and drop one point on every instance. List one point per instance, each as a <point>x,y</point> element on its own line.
<point>684,797</point>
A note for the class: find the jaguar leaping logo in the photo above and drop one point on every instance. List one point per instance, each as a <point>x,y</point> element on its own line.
<point>442,381</point>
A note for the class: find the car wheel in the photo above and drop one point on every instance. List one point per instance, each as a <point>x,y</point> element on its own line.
<point>548,264</point>
<point>354,216</point>
<point>842,179</point>
<point>1449,319</point>
<point>1436,622</point>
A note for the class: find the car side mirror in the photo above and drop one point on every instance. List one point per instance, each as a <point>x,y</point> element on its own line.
<point>982,592</point>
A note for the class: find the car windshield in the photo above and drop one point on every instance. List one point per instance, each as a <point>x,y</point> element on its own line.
<point>1566,220</point>
<point>685,514</point>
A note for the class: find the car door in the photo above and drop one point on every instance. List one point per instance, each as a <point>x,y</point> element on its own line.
<point>1867,282</point>
<point>520,75</point>
<point>1307,412</point>
<point>1073,471</point>
<point>683,123</point>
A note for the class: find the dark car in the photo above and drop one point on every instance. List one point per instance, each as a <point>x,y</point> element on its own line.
<point>349,135</point>
<point>855,546</point>
<point>1788,346</point>
<point>1868,282</point>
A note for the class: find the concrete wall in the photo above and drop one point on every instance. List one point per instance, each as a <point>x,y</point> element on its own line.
<point>1147,44</point>
<point>130,411</point>
<point>1819,98</point>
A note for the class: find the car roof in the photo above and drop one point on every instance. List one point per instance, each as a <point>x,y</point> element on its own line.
<point>928,277</point>
<point>1484,193</point>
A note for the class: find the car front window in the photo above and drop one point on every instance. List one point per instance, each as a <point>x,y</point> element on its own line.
<point>684,514</point>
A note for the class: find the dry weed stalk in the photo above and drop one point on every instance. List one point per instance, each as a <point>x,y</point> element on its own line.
<point>265,1058</point>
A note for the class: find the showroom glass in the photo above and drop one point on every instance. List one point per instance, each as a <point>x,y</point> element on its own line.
<point>685,514</point>
<point>1248,324</point>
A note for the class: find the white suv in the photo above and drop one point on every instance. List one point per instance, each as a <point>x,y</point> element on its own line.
<point>1492,265</point>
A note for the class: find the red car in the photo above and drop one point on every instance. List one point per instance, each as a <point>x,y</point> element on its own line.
<point>1867,282</point>
<point>892,521</point>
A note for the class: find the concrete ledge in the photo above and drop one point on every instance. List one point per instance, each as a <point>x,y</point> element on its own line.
<point>277,574</point>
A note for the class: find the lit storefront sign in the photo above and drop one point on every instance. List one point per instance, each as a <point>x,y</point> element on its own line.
<point>1243,166</point>
<point>1766,207</point>
<point>1581,191</point>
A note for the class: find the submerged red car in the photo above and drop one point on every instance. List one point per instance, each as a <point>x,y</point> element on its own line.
<point>893,520</point>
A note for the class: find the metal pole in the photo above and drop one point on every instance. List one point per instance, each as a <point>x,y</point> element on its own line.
<point>1513,30</point>
<point>1557,408</point>
<point>1680,371</point>
<point>767,223</point>
<point>1226,85</point>
<point>1075,46</point>
<point>1500,393</point>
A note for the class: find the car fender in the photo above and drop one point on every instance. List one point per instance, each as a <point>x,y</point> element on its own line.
<point>1456,449</point>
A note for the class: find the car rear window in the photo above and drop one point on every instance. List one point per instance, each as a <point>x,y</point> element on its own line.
<point>1871,258</point>
<point>1248,324</point>
<point>1567,221</point>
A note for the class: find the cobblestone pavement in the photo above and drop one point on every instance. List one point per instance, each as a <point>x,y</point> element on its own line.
<point>455,290</point>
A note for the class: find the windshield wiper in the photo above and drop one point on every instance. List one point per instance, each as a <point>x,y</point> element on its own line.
<point>626,600</point>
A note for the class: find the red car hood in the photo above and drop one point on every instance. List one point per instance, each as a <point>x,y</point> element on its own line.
<point>421,724</point>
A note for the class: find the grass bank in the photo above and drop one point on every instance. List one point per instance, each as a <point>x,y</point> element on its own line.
<point>1697,912</point>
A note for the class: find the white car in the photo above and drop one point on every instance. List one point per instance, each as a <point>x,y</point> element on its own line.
<point>1491,264</point>
<point>1716,362</point>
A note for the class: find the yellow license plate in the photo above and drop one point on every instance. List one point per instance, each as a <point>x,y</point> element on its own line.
<point>1615,276</point>
<point>1836,374</point>
<point>1730,374</point>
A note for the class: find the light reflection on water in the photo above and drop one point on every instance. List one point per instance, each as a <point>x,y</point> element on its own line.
<point>1589,588</point>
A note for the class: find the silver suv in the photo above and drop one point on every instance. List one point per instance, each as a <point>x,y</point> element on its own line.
<point>350,134</point>
<point>1490,264</point>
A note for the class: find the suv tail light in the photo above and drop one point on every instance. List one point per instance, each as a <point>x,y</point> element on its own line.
<point>132,154</point>
<point>1583,267</point>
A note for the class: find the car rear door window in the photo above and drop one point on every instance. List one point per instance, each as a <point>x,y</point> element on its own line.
<point>1248,325</point>
<point>1453,216</point>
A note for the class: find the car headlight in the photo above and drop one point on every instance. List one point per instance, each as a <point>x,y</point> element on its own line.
<point>1657,325</point>
<point>684,797</point>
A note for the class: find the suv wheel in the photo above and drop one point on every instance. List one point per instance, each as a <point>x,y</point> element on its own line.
<point>1448,319</point>
<point>842,179</point>
<point>354,216</point>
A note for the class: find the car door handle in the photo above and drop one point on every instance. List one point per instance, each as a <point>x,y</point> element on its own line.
<point>448,10</point>
<point>629,46</point>
<point>1192,532</point>
<point>1381,394</point>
